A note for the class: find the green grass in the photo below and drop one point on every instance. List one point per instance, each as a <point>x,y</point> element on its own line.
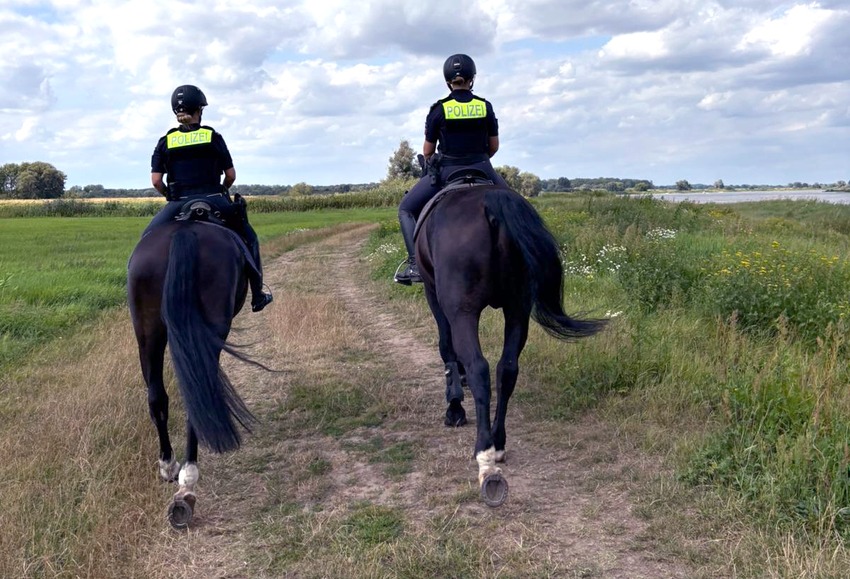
<point>726,354</point>
<point>57,273</point>
<point>329,408</point>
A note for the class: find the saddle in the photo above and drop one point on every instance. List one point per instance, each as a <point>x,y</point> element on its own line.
<point>220,211</point>
<point>460,179</point>
<point>216,209</point>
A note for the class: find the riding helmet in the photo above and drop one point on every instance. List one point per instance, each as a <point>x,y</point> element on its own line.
<point>459,65</point>
<point>187,99</point>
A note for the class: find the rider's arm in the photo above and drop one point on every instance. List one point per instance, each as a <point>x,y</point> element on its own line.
<point>493,145</point>
<point>158,166</point>
<point>158,184</point>
<point>229,177</point>
<point>428,149</point>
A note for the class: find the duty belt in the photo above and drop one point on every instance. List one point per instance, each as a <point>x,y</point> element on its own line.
<point>452,160</point>
<point>183,192</point>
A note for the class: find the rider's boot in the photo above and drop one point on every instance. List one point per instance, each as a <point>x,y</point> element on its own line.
<point>259,298</point>
<point>410,274</point>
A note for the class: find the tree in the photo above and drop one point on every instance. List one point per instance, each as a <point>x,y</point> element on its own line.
<point>403,163</point>
<point>530,185</point>
<point>527,184</point>
<point>683,185</point>
<point>8,180</point>
<point>564,184</point>
<point>511,176</point>
<point>96,190</point>
<point>641,186</point>
<point>300,189</point>
<point>37,180</point>
<point>719,184</point>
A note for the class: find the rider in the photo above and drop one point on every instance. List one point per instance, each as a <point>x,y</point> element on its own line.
<point>468,134</point>
<point>194,158</point>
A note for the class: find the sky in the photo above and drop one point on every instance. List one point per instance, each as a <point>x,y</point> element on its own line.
<point>324,91</point>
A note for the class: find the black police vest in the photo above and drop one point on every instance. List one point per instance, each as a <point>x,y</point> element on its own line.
<point>192,161</point>
<point>464,130</point>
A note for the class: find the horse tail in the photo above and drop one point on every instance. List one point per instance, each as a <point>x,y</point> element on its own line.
<point>510,212</point>
<point>212,405</point>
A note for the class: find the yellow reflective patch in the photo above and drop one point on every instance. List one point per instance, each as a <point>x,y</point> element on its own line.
<point>474,109</point>
<point>180,139</point>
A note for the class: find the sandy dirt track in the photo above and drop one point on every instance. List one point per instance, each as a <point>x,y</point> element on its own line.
<point>570,483</point>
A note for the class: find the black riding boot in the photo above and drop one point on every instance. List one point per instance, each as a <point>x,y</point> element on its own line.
<point>259,298</point>
<point>411,273</point>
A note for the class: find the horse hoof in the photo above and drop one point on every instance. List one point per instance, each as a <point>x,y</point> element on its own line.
<point>455,415</point>
<point>180,512</point>
<point>494,490</point>
<point>455,422</point>
<point>168,471</point>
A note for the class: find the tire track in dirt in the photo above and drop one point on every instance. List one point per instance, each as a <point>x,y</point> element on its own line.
<point>570,483</point>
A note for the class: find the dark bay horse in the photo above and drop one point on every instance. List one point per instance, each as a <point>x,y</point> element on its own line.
<point>186,282</point>
<point>485,245</point>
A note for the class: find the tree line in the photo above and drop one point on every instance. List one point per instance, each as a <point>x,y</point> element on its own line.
<point>39,180</point>
<point>403,164</point>
<point>35,180</point>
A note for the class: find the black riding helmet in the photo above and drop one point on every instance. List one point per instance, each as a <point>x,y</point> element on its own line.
<point>459,65</point>
<point>187,99</point>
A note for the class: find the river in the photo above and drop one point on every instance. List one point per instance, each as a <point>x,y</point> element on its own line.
<point>748,196</point>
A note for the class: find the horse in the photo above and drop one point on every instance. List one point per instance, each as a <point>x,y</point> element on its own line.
<point>186,282</point>
<point>483,245</point>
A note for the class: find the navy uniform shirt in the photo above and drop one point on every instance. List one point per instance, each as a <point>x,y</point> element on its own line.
<point>193,158</point>
<point>461,124</point>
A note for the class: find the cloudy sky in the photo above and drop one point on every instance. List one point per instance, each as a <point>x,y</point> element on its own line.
<point>323,91</point>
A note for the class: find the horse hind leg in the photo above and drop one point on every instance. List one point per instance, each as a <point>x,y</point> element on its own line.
<point>493,486</point>
<point>151,355</point>
<point>507,371</point>
<point>181,510</point>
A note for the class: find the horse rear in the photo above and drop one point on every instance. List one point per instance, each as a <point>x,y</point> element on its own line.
<point>479,247</point>
<point>186,281</point>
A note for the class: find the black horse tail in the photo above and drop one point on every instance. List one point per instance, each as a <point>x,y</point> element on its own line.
<point>511,212</point>
<point>212,405</point>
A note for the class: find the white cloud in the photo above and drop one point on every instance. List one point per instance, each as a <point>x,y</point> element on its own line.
<point>635,46</point>
<point>791,34</point>
<point>322,92</point>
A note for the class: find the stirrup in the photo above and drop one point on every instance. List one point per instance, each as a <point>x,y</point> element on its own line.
<point>265,299</point>
<point>410,275</point>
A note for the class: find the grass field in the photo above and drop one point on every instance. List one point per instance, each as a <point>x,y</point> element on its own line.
<point>57,273</point>
<point>726,356</point>
<point>728,352</point>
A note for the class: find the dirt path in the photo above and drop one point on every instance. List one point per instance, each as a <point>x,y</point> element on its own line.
<point>570,508</point>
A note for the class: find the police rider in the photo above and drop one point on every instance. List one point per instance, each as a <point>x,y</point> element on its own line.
<point>462,128</point>
<point>194,156</point>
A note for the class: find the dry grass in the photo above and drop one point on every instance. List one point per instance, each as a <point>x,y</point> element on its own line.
<point>78,495</point>
<point>348,473</point>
